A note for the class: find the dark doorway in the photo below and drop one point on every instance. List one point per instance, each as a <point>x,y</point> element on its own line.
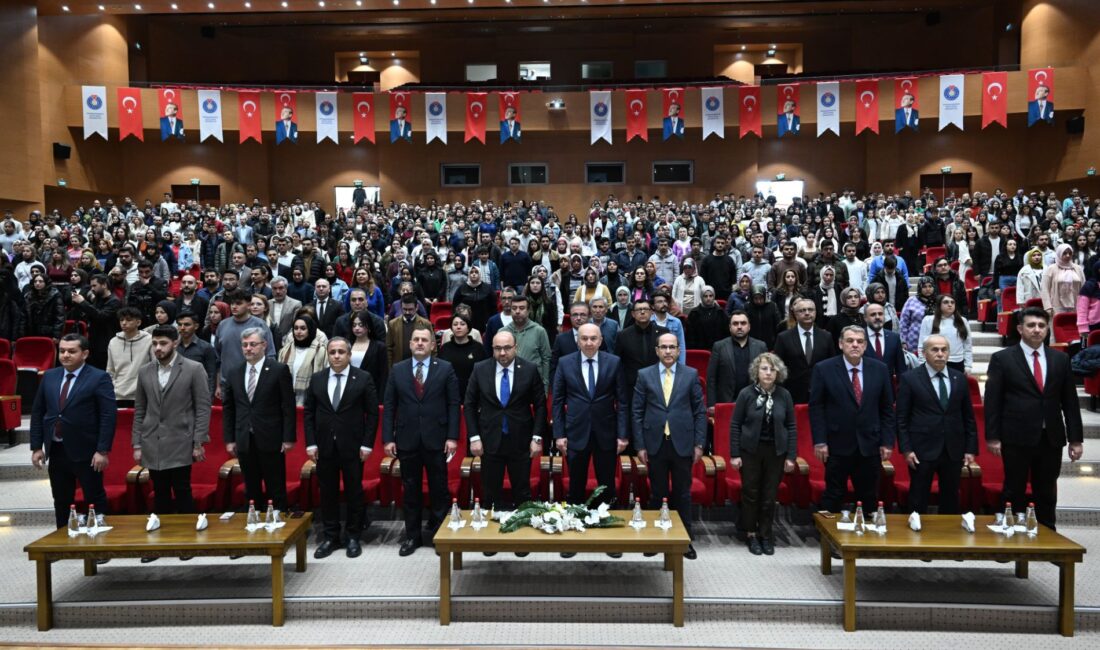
<point>944,185</point>
<point>200,193</point>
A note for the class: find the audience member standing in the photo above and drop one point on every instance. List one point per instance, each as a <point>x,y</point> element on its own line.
<point>801,348</point>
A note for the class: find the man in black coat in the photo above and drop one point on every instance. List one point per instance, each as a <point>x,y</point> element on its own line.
<point>328,311</point>
<point>728,368</point>
<point>636,345</point>
<point>566,342</point>
<point>937,433</point>
<point>1031,412</point>
<point>802,347</point>
<point>100,310</point>
<point>506,420</point>
<point>341,417</point>
<point>357,300</point>
<point>258,420</point>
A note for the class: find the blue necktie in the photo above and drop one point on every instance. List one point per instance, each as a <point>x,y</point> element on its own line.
<point>505,393</point>
<point>591,379</point>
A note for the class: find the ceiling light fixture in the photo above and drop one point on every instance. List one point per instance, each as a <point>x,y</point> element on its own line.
<point>65,8</point>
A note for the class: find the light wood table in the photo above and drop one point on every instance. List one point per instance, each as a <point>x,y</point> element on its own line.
<point>942,537</point>
<point>176,537</point>
<point>673,543</point>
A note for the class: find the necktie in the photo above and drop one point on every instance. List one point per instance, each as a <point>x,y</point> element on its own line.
<point>667,386</point>
<point>320,310</point>
<point>61,404</point>
<point>809,347</point>
<point>591,379</point>
<point>419,384</point>
<point>251,388</point>
<point>856,387</point>
<point>942,390</point>
<point>336,392</point>
<point>505,393</point>
<point>1037,369</point>
<point>878,344</point>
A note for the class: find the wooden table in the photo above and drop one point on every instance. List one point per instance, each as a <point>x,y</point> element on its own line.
<point>673,543</point>
<point>942,537</point>
<point>176,537</point>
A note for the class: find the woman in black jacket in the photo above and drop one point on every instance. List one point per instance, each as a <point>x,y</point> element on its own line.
<point>478,296</point>
<point>431,278</point>
<point>45,312</point>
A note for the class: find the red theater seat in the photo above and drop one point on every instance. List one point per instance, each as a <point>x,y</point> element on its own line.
<point>35,353</point>
<point>120,479</point>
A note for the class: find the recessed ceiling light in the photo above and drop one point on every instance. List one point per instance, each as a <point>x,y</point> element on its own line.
<point>321,3</point>
<point>284,4</point>
<point>772,46</point>
<point>248,5</point>
<point>393,53</point>
<point>744,47</point>
<point>210,5</point>
<point>64,7</point>
<point>137,7</point>
<point>358,3</point>
<point>102,8</point>
<point>175,6</point>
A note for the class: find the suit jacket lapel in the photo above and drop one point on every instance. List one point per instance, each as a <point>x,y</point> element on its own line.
<point>77,383</point>
<point>1022,361</point>
<point>846,379</point>
<point>177,370</point>
<point>932,388</point>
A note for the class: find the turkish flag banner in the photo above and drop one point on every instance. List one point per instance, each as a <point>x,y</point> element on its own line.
<point>399,100</point>
<point>363,107</point>
<point>867,106</point>
<point>166,96</point>
<point>995,99</point>
<point>1040,96</point>
<point>637,115</point>
<point>248,116</point>
<point>475,116</point>
<point>129,114</point>
<point>749,120</point>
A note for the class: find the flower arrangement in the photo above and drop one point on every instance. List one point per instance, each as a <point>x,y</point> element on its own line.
<point>552,518</point>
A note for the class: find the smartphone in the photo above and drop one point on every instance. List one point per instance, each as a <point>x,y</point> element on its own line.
<point>826,514</point>
<point>297,514</point>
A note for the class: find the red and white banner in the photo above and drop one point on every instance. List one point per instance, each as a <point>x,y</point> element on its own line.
<point>170,112</point>
<point>637,115</point>
<point>867,106</point>
<point>248,116</point>
<point>906,104</point>
<point>788,109</point>
<point>286,116</point>
<point>475,116</point>
<point>129,114</point>
<point>363,111</point>
<point>166,96</point>
<point>510,117</point>
<point>672,113</point>
<point>995,99</point>
<point>749,119</point>
<point>1040,96</point>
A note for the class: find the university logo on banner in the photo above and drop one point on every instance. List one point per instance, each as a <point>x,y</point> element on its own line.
<point>93,103</point>
<point>714,116</point>
<point>906,104</point>
<point>210,115</point>
<point>828,107</point>
<point>286,117</point>
<point>867,106</point>
<point>363,105</point>
<point>435,118</point>
<point>788,119</point>
<point>475,116</point>
<point>749,119</point>
<point>599,116</point>
<point>672,109</point>
<point>249,116</point>
<point>1040,96</point>
<point>637,115</point>
<point>328,122</point>
<point>400,126</point>
<point>952,89</point>
<point>129,114</point>
<point>995,99</point>
<point>170,110</point>
<point>510,118</point>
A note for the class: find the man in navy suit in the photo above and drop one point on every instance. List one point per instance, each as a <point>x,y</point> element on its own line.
<point>73,425</point>
<point>788,122</point>
<point>937,433</point>
<point>670,427</point>
<point>170,125</point>
<point>590,413</point>
<point>1039,108</point>
<point>510,126</point>
<point>420,430</point>
<point>286,128</point>
<point>852,419</point>
<point>673,125</point>
<point>882,344</point>
<point>567,342</point>
<point>906,116</point>
<point>400,129</point>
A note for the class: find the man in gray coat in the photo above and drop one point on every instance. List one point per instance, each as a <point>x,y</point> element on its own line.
<point>171,421</point>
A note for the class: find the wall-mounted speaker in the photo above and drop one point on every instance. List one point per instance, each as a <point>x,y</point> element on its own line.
<point>1075,125</point>
<point>62,151</point>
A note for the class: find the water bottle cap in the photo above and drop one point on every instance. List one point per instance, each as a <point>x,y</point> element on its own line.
<point>637,500</point>
<point>1031,505</point>
<point>454,500</point>
<point>859,504</point>
<point>880,504</point>
<point>270,502</point>
<point>1008,503</point>
<point>476,500</point>
<point>251,502</point>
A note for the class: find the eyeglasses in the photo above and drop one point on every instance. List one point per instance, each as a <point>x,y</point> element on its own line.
<point>668,348</point>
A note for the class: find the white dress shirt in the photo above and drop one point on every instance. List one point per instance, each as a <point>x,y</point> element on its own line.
<point>331,388</point>
<point>932,372</point>
<point>595,370</point>
<point>164,371</point>
<point>1030,359</point>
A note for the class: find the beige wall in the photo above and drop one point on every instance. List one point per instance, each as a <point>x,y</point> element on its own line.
<point>19,110</point>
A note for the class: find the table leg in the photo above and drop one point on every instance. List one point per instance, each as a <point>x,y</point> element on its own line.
<point>668,561</point>
<point>300,555</point>
<point>445,588</point>
<point>45,595</point>
<point>278,613</point>
<point>677,587</point>
<point>1021,569</point>
<point>458,561</point>
<point>849,594</point>
<point>1065,598</point>
<point>826,558</point>
<point>89,567</point>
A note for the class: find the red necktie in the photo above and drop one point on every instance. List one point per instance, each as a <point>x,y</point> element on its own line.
<point>878,345</point>
<point>856,387</point>
<point>61,404</point>
<point>1037,369</point>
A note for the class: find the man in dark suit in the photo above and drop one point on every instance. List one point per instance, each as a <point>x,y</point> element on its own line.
<point>286,128</point>
<point>728,369</point>
<point>258,420</point>
<point>341,417</point>
<point>1031,412</point>
<point>171,126</point>
<point>801,348</point>
<point>852,420</point>
<point>590,413</point>
<point>906,117</point>
<point>788,121</point>
<point>670,428</point>
<point>359,197</point>
<point>1040,108</point>
<point>400,128</point>
<point>420,430</point>
<point>503,394</point>
<point>357,300</point>
<point>328,310</point>
<point>636,345</point>
<point>936,429</point>
<point>566,342</point>
<point>510,128</point>
<point>672,124</point>
<point>882,344</point>
<point>73,425</point>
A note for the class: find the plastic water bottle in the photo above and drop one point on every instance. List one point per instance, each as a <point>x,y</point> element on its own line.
<point>666,520</point>
<point>637,517</point>
<point>269,516</point>
<point>477,516</point>
<point>880,519</point>
<point>74,521</point>
<point>1031,522</point>
<point>1009,521</point>
<point>91,521</point>
<point>456,514</point>
<point>859,521</point>
<point>253,517</point>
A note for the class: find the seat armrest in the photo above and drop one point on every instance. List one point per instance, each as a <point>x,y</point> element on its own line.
<point>626,464</point>
<point>468,466</point>
<point>228,467</point>
<point>386,465</point>
<point>708,465</point>
<point>803,466</point>
<point>395,468</point>
<point>888,468</point>
<point>719,462</point>
<point>640,468</point>
<point>134,475</point>
<point>307,470</point>
<point>544,464</point>
<point>975,470</point>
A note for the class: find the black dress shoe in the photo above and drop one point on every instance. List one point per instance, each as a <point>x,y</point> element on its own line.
<point>186,558</point>
<point>754,546</point>
<point>615,555</point>
<point>690,553</point>
<point>235,557</point>
<point>767,546</point>
<point>522,554</point>
<point>147,560</point>
<point>408,547</point>
<point>103,561</point>
<point>567,555</point>
<point>489,553</point>
<point>648,554</point>
<point>354,550</point>
<point>325,549</point>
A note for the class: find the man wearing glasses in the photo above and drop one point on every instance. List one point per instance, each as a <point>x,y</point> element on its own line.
<point>802,346</point>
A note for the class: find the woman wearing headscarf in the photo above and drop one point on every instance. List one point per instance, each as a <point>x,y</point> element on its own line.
<point>826,295</point>
<point>876,293</point>
<point>919,305</point>
<point>13,314</point>
<point>1062,282</point>
<point>456,275</point>
<point>620,310</point>
<point>687,289</point>
<point>1029,281</point>
<point>163,314</point>
<point>478,296</point>
<point>304,351</point>
<point>849,313</point>
<point>542,308</point>
<point>591,288</point>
